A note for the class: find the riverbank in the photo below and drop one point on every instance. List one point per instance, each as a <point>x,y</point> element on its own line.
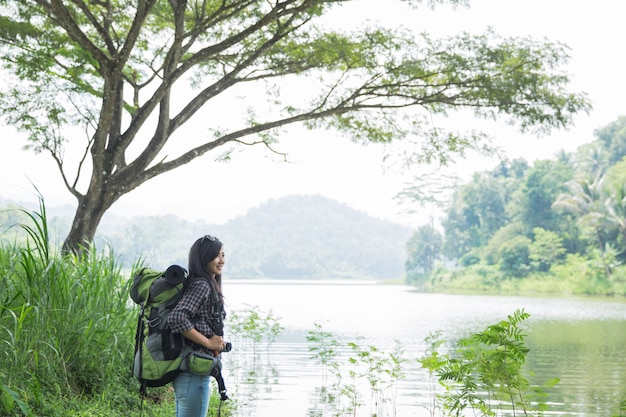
<point>576,277</point>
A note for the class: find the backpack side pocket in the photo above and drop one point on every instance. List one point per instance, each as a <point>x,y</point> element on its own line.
<point>200,363</point>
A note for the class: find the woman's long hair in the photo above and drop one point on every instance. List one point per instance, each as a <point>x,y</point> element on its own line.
<point>203,251</point>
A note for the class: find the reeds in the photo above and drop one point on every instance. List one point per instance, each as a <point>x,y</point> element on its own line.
<point>65,327</point>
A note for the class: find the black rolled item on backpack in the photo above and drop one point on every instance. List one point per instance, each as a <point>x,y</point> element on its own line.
<point>175,274</point>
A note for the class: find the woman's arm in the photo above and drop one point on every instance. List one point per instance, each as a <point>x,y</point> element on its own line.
<point>215,343</point>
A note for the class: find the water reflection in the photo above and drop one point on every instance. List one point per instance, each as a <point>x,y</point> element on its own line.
<point>587,357</point>
<point>579,341</point>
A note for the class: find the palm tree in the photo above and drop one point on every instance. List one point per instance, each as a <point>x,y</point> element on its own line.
<point>587,200</point>
<point>615,206</point>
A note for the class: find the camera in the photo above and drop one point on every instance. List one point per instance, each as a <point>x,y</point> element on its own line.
<point>227,347</point>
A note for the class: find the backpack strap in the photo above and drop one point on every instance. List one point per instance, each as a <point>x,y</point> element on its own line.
<point>217,318</point>
<point>139,341</point>
<point>217,310</point>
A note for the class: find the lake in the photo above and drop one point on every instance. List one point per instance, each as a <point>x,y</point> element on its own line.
<point>581,341</point>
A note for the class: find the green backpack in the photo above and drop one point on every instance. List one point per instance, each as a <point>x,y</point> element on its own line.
<point>158,351</point>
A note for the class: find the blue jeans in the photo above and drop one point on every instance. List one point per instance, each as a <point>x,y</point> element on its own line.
<point>192,394</point>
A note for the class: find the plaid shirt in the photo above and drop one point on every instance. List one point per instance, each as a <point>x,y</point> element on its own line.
<point>193,311</point>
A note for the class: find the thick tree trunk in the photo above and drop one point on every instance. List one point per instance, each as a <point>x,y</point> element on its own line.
<point>90,210</point>
<point>105,187</point>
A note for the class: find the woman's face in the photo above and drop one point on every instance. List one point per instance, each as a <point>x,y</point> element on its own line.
<point>215,266</point>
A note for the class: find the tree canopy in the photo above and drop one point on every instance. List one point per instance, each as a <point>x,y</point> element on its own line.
<point>106,87</point>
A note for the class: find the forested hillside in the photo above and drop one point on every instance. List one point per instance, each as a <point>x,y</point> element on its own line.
<point>292,237</point>
<point>558,225</point>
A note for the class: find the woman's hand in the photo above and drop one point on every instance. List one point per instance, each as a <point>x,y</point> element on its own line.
<point>216,343</point>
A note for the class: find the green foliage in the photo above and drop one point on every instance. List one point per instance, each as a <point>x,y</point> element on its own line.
<point>477,277</point>
<point>545,250</point>
<point>491,252</point>
<point>254,326</point>
<point>324,348</point>
<point>432,360</point>
<point>11,402</point>
<point>470,258</point>
<point>423,249</point>
<point>616,174</point>
<point>66,333</point>
<point>563,229</point>
<point>513,255</point>
<point>613,139</point>
<point>111,67</point>
<point>479,209</point>
<point>540,187</point>
<point>484,374</point>
<point>360,368</point>
<point>381,370</point>
<point>44,312</point>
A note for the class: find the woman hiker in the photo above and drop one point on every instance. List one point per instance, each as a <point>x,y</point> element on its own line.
<point>199,317</point>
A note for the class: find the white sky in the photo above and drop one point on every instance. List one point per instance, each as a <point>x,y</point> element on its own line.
<point>354,174</point>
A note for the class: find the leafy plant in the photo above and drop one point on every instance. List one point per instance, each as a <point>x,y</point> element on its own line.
<point>11,399</point>
<point>485,374</point>
<point>324,348</point>
<point>431,360</point>
<point>367,367</point>
<point>254,325</point>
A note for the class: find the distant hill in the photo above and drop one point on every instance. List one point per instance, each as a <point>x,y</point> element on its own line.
<point>314,237</point>
<point>294,237</point>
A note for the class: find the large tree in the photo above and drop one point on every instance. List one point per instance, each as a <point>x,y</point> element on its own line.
<point>120,72</point>
<point>423,250</point>
<point>476,212</point>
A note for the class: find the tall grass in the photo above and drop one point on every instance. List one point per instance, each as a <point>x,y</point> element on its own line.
<point>66,332</point>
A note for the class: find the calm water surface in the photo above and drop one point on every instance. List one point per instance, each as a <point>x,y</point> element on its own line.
<point>581,341</point>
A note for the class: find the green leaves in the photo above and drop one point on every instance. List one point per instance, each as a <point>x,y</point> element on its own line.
<point>10,399</point>
<point>379,370</point>
<point>255,326</point>
<point>121,70</point>
<point>485,373</point>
